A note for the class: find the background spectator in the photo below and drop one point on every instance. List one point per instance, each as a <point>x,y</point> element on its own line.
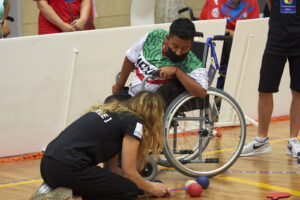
<point>4,9</point>
<point>63,16</point>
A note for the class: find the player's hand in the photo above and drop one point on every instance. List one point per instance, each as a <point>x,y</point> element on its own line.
<point>160,190</point>
<point>116,88</point>
<point>168,72</point>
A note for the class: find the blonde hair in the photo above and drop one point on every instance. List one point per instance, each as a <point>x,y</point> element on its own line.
<point>149,107</point>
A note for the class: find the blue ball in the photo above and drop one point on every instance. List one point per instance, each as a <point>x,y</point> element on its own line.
<point>203,181</point>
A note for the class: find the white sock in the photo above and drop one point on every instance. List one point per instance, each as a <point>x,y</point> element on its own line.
<point>260,139</point>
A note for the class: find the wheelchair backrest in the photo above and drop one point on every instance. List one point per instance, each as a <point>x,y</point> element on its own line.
<point>200,49</point>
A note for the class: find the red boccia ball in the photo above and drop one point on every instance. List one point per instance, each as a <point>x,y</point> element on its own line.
<point>194,190</point>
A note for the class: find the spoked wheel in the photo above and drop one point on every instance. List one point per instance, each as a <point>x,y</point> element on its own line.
<point>190,128</point>
<point>150,170</point>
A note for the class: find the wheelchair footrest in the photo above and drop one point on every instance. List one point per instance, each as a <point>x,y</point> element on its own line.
<point>212,160</point>
<point>207,160</point>
<point>186,151</point>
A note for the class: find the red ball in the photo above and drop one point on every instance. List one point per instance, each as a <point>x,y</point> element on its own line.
<point>194,190</point>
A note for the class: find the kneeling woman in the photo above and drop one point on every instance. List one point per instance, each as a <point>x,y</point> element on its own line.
<point>133,128</point>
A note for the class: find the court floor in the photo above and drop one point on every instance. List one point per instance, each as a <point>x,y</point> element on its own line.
<point>249,178</point>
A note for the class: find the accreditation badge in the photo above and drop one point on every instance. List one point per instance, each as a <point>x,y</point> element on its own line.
<point>287,6</point>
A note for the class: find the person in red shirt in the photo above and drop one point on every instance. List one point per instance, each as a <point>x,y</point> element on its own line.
<point>232,10</point>
<point>62,15</point>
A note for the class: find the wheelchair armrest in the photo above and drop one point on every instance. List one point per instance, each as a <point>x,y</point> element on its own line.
<point>153,74</point>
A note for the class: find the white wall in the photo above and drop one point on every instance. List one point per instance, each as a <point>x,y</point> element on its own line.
<point>244,66</point>
<point>48,81</point>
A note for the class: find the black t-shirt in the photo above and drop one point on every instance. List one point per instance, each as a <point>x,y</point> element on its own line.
<point>284,30</point>
<point>94,138</point>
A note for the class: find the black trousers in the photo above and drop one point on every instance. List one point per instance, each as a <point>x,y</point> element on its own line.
<point>91,182</point>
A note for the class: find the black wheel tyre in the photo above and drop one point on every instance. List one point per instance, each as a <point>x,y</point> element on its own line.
<point>150,170</point>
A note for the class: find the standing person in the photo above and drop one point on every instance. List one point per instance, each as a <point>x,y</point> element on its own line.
<point>232,11</point>
<point>62,15</point>
<point>4,10</point>
<point>131,128</point>
<point>283,44</point>
<point>170,53</point>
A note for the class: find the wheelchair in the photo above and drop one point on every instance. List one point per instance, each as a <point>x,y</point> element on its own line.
<point>202,137</point>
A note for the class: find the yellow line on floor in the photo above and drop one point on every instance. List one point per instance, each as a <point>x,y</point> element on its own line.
<point>21,183</point>
<point>259,184</point>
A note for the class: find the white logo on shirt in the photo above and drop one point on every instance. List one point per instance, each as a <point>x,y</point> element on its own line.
<point>138,131</point>
<point>106,118</point>
<point>215,12</point>
<point>216,2</point>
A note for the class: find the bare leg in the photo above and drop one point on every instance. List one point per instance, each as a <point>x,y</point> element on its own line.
<point>265,109</point>
<point>295,114</point>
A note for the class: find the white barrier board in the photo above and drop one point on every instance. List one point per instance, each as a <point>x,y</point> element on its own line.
<point>48,81</point>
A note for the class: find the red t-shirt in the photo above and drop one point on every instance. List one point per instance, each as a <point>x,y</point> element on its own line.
<point>224,9</point>
<point>62,10</point>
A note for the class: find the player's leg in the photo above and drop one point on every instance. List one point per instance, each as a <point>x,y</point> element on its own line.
<point>270,76</point>
<point>293,146</point>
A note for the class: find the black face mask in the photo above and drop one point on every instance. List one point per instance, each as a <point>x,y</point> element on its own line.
<point>174,57</point>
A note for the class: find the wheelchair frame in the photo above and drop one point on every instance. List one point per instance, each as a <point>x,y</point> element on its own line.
<point>205,119</point>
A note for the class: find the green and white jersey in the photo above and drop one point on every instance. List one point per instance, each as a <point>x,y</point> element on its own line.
<point>147,55</point>
<point>2,7</point>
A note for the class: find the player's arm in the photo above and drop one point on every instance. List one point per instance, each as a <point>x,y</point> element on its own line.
<point>48,12</point>
<point>129,159</point>
<point>125,71</point>
<point>113,165</point>
<point>188,82</point>
<point>269,4</point>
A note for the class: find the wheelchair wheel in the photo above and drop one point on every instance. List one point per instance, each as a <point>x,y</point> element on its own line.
<point>203,137</point>
<point>150,170</point>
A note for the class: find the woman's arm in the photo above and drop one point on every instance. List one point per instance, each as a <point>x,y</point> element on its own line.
<point>48,12</point>
<point>85,7</point>
<point>112,165</point>
<point>129,157</point>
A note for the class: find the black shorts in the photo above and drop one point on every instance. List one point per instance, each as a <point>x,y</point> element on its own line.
<point>271,72</point>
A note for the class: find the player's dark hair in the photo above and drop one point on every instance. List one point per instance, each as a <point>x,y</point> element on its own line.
<point>183,28</point>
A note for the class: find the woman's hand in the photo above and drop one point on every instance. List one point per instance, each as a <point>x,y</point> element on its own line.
<point>67,28</point>
<point>78,24</point>
<point>160,190</point>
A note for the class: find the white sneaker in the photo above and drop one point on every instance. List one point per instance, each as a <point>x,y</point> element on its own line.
<point>255,147</point>
<point>293,147</point>
<point>45,192</point>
